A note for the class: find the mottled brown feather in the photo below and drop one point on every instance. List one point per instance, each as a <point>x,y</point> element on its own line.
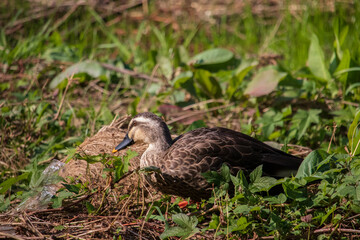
<point>183,160</point>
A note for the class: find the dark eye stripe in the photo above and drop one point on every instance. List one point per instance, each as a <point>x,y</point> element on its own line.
<point>133,124</point>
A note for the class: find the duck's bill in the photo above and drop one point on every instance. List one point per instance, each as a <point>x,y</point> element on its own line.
<point>125,142</point>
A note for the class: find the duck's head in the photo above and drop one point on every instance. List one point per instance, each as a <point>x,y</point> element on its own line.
<point>148,128</point>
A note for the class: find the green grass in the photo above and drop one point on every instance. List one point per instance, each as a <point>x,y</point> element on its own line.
<point>315,87</point>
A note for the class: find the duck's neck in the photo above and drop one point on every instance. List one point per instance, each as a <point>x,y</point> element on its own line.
<point>153,154</point>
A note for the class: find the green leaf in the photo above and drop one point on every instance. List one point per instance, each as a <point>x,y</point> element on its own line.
<point>4,203</point>
<point>212,58</point>
<point>282,198</point>
<point>351,87</point>
<point>316,60</point>
<point>208,84</point>
<point>239,180</point>
<point>256,174</point>
<point>358,193</point>
<point>130,154</point>
<point>339,37</point>
<point>215,221</point>
<point>262,184</point>
<point>90,208</point>
<point>187,226</point>
<point>4,186</point>
<point>225,172</point>
<point>181,78</point>
<point>344,64</point>
<point>72,188</point>
<point>328,213</point>
<point>292,191</point>
<point>264,82</point>
<point>310,164</point>
<point>346,191</point>
<point>269,121</point>
<point>165,66</point>
<point>241,225</point>
<point>122,165</point>
<point>303,119</point>
<point>240,74</point>
<point>92,68</point>
<point>354,135</point>
<point>242,209</point>
<point>57,201</point>
<point>213,177</point>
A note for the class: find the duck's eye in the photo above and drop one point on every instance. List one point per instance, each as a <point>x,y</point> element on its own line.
<point>133,124</point>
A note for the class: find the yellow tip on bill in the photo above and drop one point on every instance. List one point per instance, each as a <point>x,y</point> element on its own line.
<point>114,150</point>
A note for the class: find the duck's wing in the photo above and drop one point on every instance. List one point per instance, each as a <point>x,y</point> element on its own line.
<point>206,149</point>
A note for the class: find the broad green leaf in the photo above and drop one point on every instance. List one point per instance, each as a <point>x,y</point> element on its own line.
<point>303,119</point>
<point>264,82</point>
<point>354,135</point>
<point>310,164</point>
<point>208,84</point>
<point>294,192</point>
<point>185,221</point>
<point>242,209</point>
<point>242,224</point>
<point>269,121</point>
<point>211,58</point>
<point>262,184</point>
<point>256,174</point>
<point>225,172</point>
<point>346,191</point>
<point>187,226</point>
<point>282,198</point>
<point>316,60</point>
<point>92,68</point>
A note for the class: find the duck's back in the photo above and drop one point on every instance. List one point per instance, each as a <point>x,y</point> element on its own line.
<point>207,149</point>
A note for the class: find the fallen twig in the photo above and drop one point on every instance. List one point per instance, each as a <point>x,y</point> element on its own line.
<point>11,236</point>
<point>342,230</point>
